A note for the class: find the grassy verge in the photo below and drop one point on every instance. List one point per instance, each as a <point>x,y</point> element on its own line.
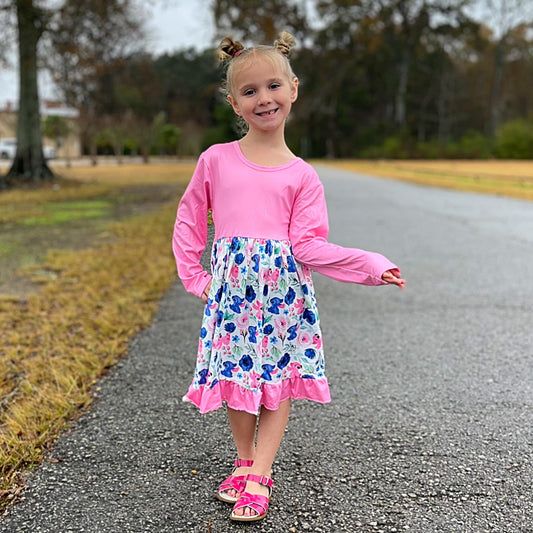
<point>58,340</point>
<point>506,178</point>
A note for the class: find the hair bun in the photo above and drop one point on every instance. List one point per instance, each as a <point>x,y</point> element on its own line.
<point>285,43</point>
<point>228,48</point>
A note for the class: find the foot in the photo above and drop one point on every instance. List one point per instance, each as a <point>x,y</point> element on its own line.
<point>252,487</point>
<point>238,472</point>
<point>233,485</point>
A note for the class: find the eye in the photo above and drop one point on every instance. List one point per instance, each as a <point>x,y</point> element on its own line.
<point>248,92</point>
<point>275,85</point>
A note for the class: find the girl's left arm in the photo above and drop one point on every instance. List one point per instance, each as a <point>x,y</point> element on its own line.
<point>190,231</point>
<point>308,233</point>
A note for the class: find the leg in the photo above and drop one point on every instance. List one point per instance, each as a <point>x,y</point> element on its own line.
<point>243,429</point>
<point>270,431</point>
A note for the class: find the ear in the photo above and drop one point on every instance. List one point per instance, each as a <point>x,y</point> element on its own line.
<point>294,89</point>
<point>234,104</point>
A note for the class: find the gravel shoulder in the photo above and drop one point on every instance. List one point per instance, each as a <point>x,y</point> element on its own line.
<point>430,427</point>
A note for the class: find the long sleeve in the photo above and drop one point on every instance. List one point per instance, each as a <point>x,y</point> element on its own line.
<point>190,231</point>
<point>308,233</point>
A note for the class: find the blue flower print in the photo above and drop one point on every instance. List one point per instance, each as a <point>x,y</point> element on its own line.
<point>220,317</point>
<point>246,363</point>
<point>235,338</point>
<point>255,260</point>
<point>215,381</point>
<point>203,333</point>
<point>203,376</point>
<point>265,290</point>
<point>292,332</point>
<point>234,245</point>
<point>274,305</point>
<point>230,327</point>
<point>253,333</point>
<point>267,369</point>
<point>290,296</point>
<point>218,295</point>
<point>239,258</point>
<point>274,340</point>
<point>268,248</point>
<point>305,290</point>
<point>309,316</point>
<point>291,264</point>
<point>284,361</point>
<point>236,305</point>
<point>268,329</point>
<point>228,367</point>
<point>278,261</point>
<point>250,293</point>
<point>310,353</point>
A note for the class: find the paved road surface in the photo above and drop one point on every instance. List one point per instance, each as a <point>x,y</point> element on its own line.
<point>430,428</point>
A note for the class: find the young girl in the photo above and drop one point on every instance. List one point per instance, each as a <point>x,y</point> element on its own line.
<point>260,342</point>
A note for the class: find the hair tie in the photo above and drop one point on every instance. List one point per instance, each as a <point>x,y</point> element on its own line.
<point>238,53</point>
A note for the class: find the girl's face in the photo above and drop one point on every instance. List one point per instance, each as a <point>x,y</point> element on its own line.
<point>263,94</point>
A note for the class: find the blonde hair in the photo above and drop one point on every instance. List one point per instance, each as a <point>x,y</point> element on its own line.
<point>236,55</point>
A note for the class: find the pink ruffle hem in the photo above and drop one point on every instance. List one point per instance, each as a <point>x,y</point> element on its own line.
<point>270,396</point>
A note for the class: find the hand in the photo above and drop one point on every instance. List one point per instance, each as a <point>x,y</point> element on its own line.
<point>393,277</point>
<point>205,294</point>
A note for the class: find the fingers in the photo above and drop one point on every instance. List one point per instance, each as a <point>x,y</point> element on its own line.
<point>205,294</point>
<point>393,277</point>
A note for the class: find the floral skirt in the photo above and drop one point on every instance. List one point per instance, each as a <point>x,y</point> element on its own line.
<point>260,342</point>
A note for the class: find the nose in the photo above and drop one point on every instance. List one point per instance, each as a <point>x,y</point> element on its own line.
<point>264,96</point>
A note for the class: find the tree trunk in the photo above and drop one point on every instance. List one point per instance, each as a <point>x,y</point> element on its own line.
<point>29,165</point>
<point>497,87</point>
<point>401,91</point>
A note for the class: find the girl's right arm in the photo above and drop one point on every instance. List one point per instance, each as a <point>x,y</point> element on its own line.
<point>190,231</point>
<point>308,233</point>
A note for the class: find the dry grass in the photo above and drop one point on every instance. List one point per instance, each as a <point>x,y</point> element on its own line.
<point>506,178</point>
<point>59,340</point>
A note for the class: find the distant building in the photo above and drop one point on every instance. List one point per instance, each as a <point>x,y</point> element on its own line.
<point>66,146</point>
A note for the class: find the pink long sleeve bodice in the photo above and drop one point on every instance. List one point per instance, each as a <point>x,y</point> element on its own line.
<point>248,200</point>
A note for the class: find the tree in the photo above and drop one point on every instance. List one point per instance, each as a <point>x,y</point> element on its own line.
<point>261,20</point>
<point>29,164</point>
<point>507,15</point>
<point>87,31</point>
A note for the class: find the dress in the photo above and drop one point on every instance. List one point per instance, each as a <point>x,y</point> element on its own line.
<point>260,340</point>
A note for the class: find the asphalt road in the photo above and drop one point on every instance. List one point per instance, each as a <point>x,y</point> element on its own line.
<point>430,427</point>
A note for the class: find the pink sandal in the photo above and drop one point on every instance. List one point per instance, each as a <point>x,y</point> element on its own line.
<point>237,483</point>
<point>256,502</point>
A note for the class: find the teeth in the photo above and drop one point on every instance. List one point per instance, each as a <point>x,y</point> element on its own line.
<point>268,112</point>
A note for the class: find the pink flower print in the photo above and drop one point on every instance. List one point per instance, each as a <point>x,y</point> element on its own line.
<point>242,321</point>
<point>317,341</point>
<point>223,340</point>
<point>304,339</point>
<point>264,342</point>
<point>299,306</point>
<point>294,370</point>
<point>234,272</point>
<point>273,276</point>
<point>281,325</point>
<point>258,310</point>
<point>263,276</point>
<point>254,379</point>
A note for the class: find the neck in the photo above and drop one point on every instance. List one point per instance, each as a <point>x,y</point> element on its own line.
<point>266,139</point>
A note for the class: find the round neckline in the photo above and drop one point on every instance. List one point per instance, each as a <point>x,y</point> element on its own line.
<point>251,164</point>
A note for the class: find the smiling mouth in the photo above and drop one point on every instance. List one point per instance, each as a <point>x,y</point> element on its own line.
<point>267,113</point>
